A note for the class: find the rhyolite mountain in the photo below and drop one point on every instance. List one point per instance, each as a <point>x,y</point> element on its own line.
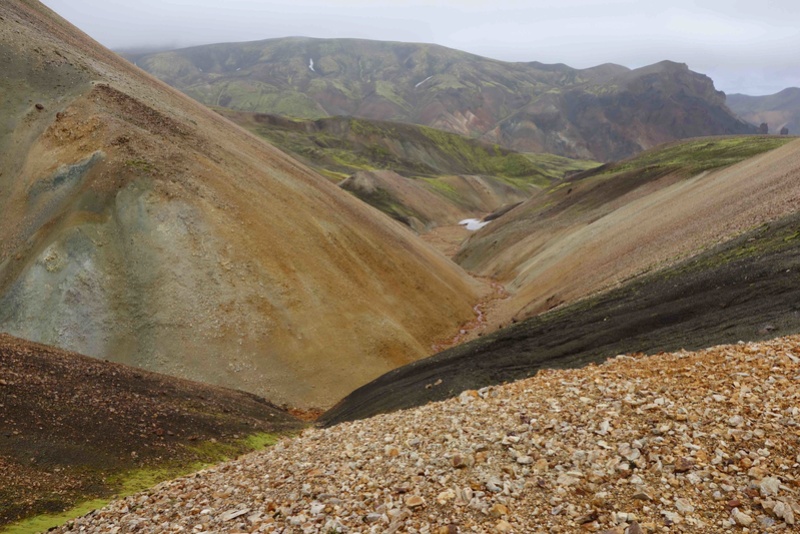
<point>781,110</point>
<point>141,227</point>
<point>418,175</point>
<point>602,113</point>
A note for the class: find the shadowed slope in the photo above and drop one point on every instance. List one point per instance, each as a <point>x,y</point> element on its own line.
<point>140,226</point>
<point>76,428</point>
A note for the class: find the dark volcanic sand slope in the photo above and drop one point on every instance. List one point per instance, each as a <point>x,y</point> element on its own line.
<point>69,422</point>
<point>745,289</point>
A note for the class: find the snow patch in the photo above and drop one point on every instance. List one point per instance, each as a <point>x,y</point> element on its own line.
<point>473,224</point>
<point>423,81</point>
<point>311,64</point>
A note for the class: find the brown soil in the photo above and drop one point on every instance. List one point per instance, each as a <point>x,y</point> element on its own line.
<point>446,239</point>
<point>570,249</point>
<point>69,422</point>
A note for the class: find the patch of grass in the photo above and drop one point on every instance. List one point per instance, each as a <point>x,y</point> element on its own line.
<point>364,127</point>
<point>386,90</point>
<point>696,156</point>
<point>259,97</point>
<point>125,483</point>
<point>140,165</point>
<point>440,186</point>
<point>557,167</point>
<point>44,522</point>
<point>351,160</point>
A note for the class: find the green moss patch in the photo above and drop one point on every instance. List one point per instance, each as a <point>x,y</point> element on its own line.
<point>698,155</point>
<point>128,482</point>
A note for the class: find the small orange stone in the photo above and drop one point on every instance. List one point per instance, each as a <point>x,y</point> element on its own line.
<point>415,501</point>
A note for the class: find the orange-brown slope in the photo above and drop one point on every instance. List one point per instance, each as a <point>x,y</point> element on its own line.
<point>139,226</point>
<point>587,235</point>
<point>71,424</point>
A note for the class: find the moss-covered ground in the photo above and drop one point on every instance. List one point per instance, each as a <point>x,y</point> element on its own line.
<point>697,155</point>
<point>119,484</point>
<point>342,146</point>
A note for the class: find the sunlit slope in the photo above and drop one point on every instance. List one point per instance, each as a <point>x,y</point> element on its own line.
<point>600,228</point>
<point>141,227</point>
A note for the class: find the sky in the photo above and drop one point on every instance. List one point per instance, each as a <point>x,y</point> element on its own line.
<point>745,46</point>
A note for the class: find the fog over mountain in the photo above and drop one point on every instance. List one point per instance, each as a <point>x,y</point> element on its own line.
<point>746,47</point>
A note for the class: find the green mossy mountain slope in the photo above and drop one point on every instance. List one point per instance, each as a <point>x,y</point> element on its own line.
<point>420,176</point>
<point>603,113</point>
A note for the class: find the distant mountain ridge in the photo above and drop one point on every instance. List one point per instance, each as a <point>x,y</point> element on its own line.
<point>781,110</point>
<point>603,113</point>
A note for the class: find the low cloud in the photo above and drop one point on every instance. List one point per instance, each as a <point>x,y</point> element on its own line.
<point>745,46</point>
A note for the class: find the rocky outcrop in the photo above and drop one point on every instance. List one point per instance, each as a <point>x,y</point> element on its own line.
<point>617,116</point>
<point>781,110</point>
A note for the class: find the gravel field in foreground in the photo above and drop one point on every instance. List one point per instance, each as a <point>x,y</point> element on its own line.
<point>703,441</point>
